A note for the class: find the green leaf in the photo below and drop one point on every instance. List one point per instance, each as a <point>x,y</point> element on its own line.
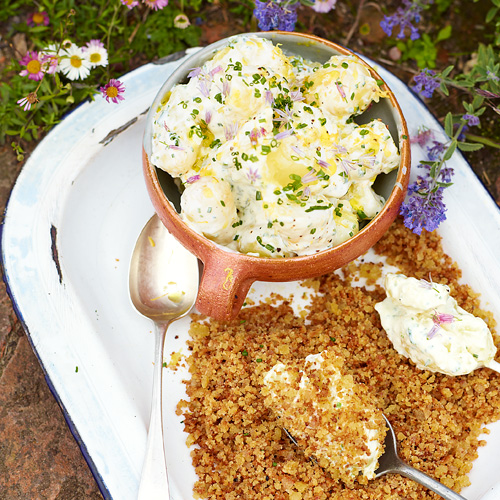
<point>449,152</point>
<point>469,146</point>
<point>444,88</point>
<point>491,14</point>
<point>444,33</point>
<point>448,125</point>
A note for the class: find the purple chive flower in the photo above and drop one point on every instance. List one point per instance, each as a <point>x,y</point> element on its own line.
<point>208,116</point>
<point>322,163</point>
<point>284,116</point>
<point>226,87</point>
<point>404,17</point>
<point>255,134</point>
<point>283,135</point>
<point>193,178</point>
<point>215,70</point>
<point>194,73</point>
<point>230,131</point>
<point>298,151</point>
<point>276,14</point>
<point>253,174</point>
<point>340,88</point>
<point>367,159</point>
<point>296,96</point>
<point>269,98</point>
<point>309,177</point>
<point>426,82</point>
<point>472,120</point>
<point>338,149</point>
<point>204,88</point>
<point>439,319</point>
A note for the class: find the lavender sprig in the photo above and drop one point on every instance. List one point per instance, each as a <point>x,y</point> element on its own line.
<point>404,17</point>
<point>424,207</point>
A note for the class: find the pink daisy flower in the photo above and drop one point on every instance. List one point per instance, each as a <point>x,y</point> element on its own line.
<point>113,91</point>
<point>38,19</point>
<point>155,4</point>
<point>130,4</point>
<point>324,5</point>
<point>34,65</point>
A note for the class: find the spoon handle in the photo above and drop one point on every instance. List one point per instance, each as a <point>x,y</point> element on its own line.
<point>154,480</point>
<point>427,481</point>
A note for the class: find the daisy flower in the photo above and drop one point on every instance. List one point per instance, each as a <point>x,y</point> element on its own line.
<point>27,101</point>
<point>73,63</point>
<point>130,4</point>
<point>38,19</point>
<point>324,5</point>
<point>113,91</point>
<point>181,21</point>
<point>96,53</point>
<point>155,4</point>
<point>34,65</point>
<point>52,54</point>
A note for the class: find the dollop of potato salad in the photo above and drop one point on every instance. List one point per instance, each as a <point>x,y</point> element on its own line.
<point>267,151</point>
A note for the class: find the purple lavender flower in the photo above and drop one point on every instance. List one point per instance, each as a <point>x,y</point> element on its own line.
<point>426,82</point>
<point>424,208</point>
<point>404,17</point>
<point>436,150</point>
<point>471,120</point>
<point>276,14</point>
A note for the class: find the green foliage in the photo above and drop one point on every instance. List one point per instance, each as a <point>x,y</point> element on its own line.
<point>423,50</point>
<point>129,35</point>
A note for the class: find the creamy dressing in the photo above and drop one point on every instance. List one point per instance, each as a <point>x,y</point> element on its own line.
<point>427,325</point>
<point>271,162</point>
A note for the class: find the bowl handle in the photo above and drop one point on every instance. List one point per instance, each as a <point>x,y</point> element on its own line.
<point>223,289</point>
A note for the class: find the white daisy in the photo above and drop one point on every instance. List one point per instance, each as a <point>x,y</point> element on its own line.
<point>96,53</point>
<point>74,64</point>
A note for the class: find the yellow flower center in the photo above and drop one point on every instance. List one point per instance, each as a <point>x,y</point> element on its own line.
<point>34,67</point>
<point>112,91</point>
<point>75,61</point>
<point>38,18</point>
<point>95,57</point>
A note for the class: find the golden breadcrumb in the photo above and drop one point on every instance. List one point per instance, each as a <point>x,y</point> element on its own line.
<point>240,450</point>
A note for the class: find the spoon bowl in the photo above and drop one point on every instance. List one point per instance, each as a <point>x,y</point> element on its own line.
<point>390,463</point>
<point>163,284</point>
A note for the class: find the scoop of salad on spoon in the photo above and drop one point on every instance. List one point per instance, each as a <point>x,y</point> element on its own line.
<point>426,324</point>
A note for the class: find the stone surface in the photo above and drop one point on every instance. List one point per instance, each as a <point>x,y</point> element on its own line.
<point>39,458</point>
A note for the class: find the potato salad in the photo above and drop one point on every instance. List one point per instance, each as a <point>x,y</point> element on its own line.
<point>265,146</point>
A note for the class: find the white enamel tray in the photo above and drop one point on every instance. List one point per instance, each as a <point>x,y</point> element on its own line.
<point>70,227</point>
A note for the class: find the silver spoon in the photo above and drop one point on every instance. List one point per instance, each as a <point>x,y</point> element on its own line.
<point>163,284</point>
<point>390,463</point>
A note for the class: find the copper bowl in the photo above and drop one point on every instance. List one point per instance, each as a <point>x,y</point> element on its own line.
<point>227,275</point>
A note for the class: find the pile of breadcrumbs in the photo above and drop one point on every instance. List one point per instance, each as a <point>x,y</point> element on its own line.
<point>241,452</point>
